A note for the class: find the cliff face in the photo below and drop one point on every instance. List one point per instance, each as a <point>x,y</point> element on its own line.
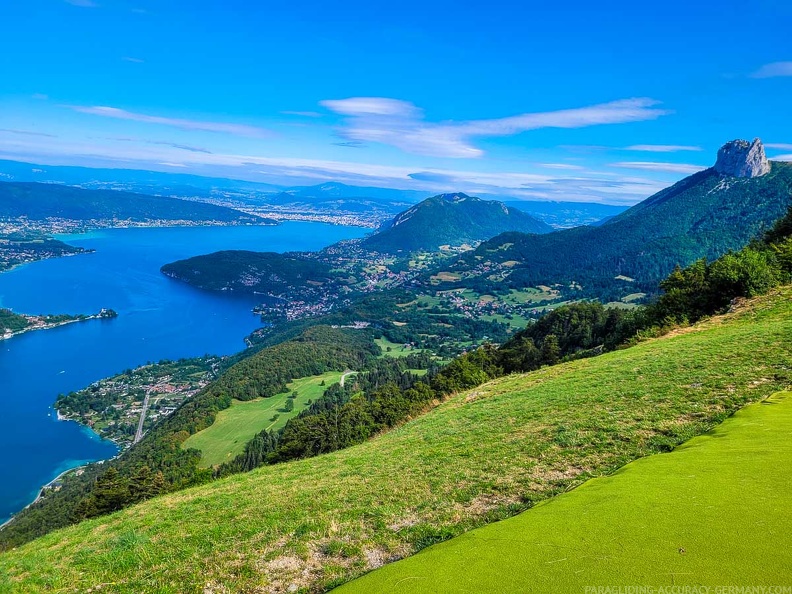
<point>740,158</point>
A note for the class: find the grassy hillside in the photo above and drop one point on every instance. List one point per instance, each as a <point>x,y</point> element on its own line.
<point>713,512</point>
<point>704,215</point>
<point>480,456</point>
<point>238,424</point>
<point>450,219</point>
<point>42,201</point>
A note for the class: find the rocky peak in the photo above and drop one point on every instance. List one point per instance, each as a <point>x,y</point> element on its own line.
<point>740,158</point>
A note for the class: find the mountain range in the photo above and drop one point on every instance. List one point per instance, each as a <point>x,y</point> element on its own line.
<point>702,216</point>
<point>40,201</point>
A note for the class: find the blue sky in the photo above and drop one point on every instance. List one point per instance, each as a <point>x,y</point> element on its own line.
<point>570,100</point>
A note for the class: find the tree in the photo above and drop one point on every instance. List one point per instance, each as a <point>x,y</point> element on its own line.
<point>551,353</point>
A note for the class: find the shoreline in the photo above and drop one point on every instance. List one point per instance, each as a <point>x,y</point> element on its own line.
<point>97,316</point>
<point>44,488</point>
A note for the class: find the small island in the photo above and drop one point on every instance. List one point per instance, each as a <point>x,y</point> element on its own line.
<point>13,324</point>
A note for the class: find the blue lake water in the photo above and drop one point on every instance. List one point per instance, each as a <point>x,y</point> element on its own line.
<point>159,318</point>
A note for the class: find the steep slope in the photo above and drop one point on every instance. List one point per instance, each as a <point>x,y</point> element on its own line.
<point>37,202</point>
<point>481,456</point>
<point>655,522</point>
<point>703,215</point>
<point>450,219</point>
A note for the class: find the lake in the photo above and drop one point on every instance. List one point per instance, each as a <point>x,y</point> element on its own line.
<point>159,318</point>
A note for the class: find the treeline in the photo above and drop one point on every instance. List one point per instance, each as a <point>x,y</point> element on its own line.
<point>315,351</point>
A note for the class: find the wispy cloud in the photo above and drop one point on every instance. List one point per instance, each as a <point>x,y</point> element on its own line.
<point>350,144</point>
<point>664,167</point>
<point>779,146</point>
<point>783,158</point>
<point>662,148</point>
<point>83,3</point>
<point>304,114</point>
<point>27,133</point>
<point>166,164</point>
<point>401,124</point>
<point>182,147</point>
<point>195,125</point>
<point>133,60</point>
<point>566,166</point>
<point>774,70</point>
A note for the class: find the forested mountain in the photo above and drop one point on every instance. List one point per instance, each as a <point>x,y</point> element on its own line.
<point>36,201</point>
<point>702,216</point>
<point>450,219</point>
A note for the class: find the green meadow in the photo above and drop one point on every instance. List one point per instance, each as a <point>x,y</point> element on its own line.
<point>714,512</point>
<point>238,424</point>
<point>482,456</point>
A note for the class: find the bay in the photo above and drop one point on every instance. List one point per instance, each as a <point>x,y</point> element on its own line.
<point>159,318</point>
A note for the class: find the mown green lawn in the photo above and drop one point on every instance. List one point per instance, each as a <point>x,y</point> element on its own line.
<point>481,456</point>
<point>716,511</point>
<point>238,424</point>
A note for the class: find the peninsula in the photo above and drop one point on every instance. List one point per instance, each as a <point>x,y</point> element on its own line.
<point>13,324</point>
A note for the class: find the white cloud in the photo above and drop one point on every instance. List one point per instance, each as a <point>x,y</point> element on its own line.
<point>172,164</point>
<point>133,60</point>
<point>401,124</point>
<point>201,126</point>
<point>779,146</point>
<point>664,167</point>
<point>774,70</point>
<point>783,158</point>
<point>662,148</point>
<point>82,3</point>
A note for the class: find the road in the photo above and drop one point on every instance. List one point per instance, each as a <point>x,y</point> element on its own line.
<point>343,377</point>
<point>139,433</point>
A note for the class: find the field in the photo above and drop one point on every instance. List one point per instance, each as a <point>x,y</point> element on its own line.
<point>713,512</point>
<point>239,423</point>
<point>481,456</point>
<point>397,350</point>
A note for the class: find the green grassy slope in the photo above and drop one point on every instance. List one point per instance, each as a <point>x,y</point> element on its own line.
<point>713,512</point>
<point>480,456</point>
<point>235,426</point>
